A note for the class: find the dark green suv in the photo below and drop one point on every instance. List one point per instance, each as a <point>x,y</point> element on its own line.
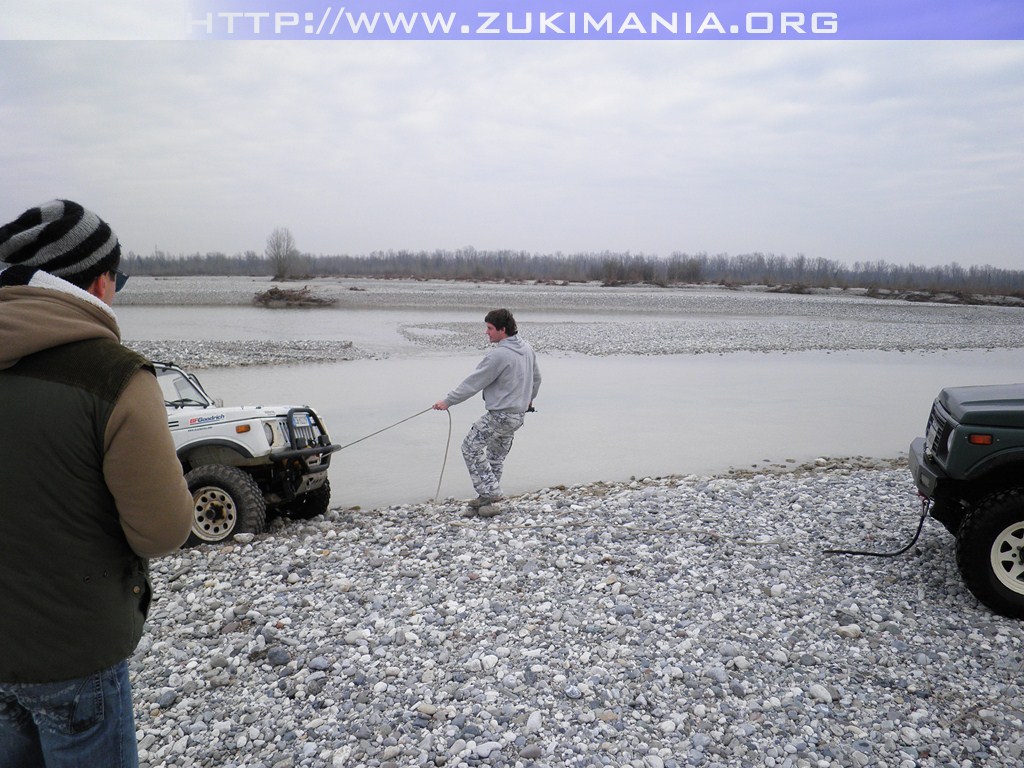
<point>970,464</point>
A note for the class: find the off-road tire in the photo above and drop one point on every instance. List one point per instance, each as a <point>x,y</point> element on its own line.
<point>225,502</point>
<point>990,551</point>
<point>311,504</point>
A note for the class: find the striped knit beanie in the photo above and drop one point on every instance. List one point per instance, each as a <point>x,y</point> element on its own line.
<point>59,237</point>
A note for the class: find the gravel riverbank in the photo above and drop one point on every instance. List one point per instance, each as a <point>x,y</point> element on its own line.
<point>663,622</point>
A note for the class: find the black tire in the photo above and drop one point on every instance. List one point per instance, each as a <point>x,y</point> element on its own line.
<point>311,504</point>
<point>990,552</point>
<point>225,502</point>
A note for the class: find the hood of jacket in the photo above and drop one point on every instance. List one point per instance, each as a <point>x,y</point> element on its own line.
<point>49,312</point>
<point>513,344</point>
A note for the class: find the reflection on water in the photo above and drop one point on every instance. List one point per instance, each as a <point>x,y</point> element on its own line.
<point>616,417</point>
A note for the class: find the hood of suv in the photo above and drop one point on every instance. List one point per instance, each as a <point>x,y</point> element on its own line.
<point>188,417</point>
<point>998,405</point>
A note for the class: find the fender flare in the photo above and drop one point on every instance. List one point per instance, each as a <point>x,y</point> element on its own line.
<point>215,442</point>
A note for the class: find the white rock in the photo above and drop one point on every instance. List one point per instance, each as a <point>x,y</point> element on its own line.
<point>849,631</point>
<point>820,693</point>
<point>485,749</point>
<point>533,722</point>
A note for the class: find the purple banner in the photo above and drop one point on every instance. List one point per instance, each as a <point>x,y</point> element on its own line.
<point>619,20</point>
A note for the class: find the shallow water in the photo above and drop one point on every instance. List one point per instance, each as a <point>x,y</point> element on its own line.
<point>613,418</point>
<point>599,418</point>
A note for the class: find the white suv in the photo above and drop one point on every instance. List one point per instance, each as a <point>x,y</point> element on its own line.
<point>243,463</point>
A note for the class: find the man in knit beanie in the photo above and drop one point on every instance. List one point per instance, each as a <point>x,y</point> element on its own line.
<point>62,238</point>
<point>90,489</point>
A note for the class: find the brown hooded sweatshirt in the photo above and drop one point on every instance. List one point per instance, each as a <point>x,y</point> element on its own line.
<point>90,486</point>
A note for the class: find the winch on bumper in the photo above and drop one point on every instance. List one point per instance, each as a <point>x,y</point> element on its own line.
<point>926,477</point>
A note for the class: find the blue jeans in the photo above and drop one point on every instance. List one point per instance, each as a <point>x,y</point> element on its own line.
<point>82,723</point>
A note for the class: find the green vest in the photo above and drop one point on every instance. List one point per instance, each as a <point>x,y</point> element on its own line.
<point>73,595</point>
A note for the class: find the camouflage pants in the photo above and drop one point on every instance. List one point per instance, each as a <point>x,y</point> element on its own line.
<point>485,448</point>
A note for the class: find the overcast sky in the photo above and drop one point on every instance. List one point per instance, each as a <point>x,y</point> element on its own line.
<point>908,152</point>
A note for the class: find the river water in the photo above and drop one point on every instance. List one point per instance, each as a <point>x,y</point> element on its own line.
<point>599,417</point>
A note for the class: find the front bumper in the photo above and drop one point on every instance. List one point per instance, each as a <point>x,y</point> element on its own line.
<point>927,474</point>
<point>286,454</point>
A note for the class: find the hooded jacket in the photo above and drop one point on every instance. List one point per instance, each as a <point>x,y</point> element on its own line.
<point>90,487</point>
<point>508,375</point>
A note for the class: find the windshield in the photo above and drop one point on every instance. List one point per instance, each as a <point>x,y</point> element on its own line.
<point>178,389</point>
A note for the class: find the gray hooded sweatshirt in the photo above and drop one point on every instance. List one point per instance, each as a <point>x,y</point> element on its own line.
<point>508,376</point>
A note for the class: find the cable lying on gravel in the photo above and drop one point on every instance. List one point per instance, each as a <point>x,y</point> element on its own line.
<point>685,621</point>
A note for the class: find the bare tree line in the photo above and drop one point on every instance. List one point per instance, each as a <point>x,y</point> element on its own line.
<point>282,260</point>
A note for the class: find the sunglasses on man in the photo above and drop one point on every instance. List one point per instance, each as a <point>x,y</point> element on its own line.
<point>120,278</point>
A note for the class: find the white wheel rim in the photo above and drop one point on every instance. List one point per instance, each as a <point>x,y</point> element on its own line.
<point>1007,557</point>
<point>214,513</point>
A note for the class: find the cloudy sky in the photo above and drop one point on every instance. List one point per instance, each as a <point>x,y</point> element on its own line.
<point>908,152</point>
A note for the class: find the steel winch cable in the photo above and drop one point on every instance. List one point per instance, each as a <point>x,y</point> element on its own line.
<point>925,504</point>
<point>447,443</point>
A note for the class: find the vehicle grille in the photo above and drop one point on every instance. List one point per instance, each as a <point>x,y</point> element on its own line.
<point>937,432</point>
<point>305,430</point>
<point>306,436</point>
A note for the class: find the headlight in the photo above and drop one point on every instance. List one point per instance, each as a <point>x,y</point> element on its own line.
<point>949,442</point>
<point>268,430</point>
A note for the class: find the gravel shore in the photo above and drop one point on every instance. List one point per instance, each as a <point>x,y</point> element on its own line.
<point>657,623</point>
<point>689,621</point>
